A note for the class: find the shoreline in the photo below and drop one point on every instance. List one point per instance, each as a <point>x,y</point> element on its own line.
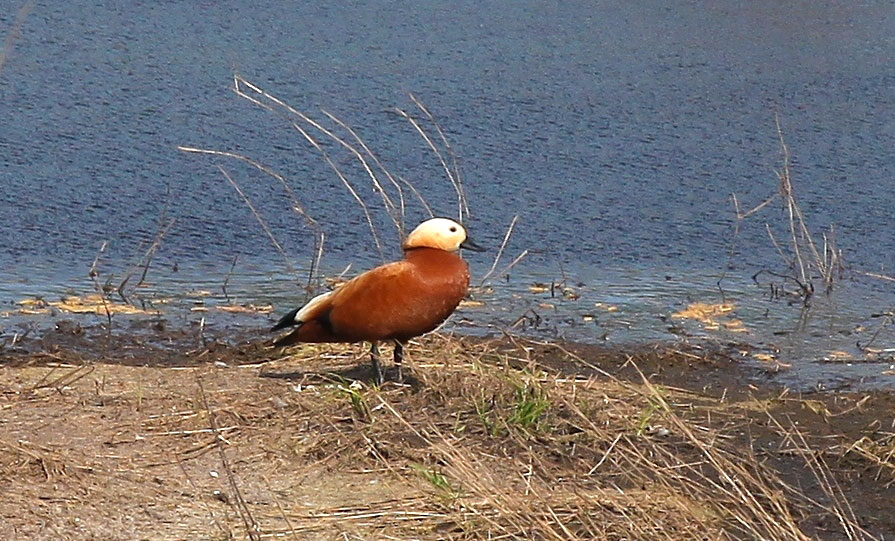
<point>836,344</point>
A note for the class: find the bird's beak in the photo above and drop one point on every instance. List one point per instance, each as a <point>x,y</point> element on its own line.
<point>469,245</point>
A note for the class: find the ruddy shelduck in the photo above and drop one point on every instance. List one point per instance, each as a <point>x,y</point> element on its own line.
<point>396,301</point>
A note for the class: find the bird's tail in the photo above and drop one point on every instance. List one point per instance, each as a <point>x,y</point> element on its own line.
<point>298,317</point>
<point>288,339</point>
<point>286,321</point>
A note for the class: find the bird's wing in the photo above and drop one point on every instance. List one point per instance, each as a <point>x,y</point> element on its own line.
<point>375,303</point>
<point>306,313</point>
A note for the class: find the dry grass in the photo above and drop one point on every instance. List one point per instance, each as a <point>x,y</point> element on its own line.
<point>486,444</point>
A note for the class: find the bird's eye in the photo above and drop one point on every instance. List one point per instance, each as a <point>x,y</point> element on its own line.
<point>453,229</point>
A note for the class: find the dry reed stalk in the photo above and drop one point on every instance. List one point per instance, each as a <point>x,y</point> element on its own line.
<point>741,491</point>
<point>348,186</point>
<point>450,150</point>
<point>800,237</point>
<point>239,82</point>
<point>887,319</point>
<point>227,279</point>
<point>257,216</point>
<point>14,31</point>
<point>740,217</point>
<point>396,214</point>
<point>838,504</point>
<point>513,263</point>
<point>146,260</point>
<point>93,274</point>
<point>804,260</point>
<point>296,204</point>
<point>739,483</point>
<point>418,195</point>
<point>503,245</point>
<point>455,182</point>
<point>879,276</point>
<point>360,151</point>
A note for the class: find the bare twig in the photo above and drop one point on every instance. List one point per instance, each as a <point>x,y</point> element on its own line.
<point>252,528</point>
<point>227,278</point>
<point>503,244</point>
<point>146,260</point>
<point>93,274</point>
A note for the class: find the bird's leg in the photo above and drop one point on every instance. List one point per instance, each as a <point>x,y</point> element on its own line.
<point>374,360</point>
<point>399,356</point>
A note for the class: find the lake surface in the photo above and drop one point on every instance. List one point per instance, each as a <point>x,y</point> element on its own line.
<point>617,131</point>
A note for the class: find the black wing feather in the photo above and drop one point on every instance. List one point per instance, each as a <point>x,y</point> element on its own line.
<point>286,321</point>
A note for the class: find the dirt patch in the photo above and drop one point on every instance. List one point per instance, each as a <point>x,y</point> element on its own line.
<point>153,433</point>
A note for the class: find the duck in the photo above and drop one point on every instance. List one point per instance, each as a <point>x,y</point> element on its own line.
<point>394,302</point>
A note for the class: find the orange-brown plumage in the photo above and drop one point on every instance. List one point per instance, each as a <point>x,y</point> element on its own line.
<point>396,301</point>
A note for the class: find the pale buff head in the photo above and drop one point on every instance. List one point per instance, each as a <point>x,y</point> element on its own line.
<point>440,233</point>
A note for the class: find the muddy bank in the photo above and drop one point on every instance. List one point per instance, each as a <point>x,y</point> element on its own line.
<point>159,432</point>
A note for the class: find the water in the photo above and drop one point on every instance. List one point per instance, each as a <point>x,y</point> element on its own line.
<point>617,131</point>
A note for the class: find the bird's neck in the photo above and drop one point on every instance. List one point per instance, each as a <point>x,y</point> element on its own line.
<point>432,256</point>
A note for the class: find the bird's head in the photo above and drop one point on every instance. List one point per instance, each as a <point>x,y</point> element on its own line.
<point>442,234</point>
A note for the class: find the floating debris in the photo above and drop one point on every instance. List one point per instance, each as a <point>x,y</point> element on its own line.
<point>471,303</point>
<point>32,311</point>
<point>335,282</point>
<point>703,311</point>
<point>770,359</point>
<point>837,355</point>
<point>538,287</point>
<point>878,351</point>
<point>246,308</point>
<point>570,294</point>
<point>30,307</point>
<point>607,307</point>
<point>94,304</point>
<point>735,325</point>
<point>714,316</point>
<point>199,293</point>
